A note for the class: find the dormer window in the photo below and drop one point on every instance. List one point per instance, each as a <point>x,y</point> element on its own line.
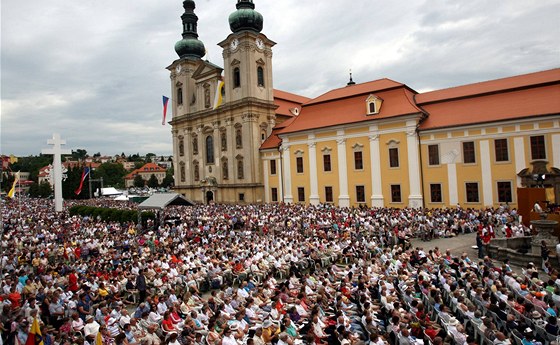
<point>373,105</point>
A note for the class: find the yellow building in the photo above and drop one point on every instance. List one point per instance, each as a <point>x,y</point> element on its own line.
<point>381,143</point>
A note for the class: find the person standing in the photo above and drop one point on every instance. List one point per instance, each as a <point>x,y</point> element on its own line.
<point>479,245</point>
<point>141,285</point>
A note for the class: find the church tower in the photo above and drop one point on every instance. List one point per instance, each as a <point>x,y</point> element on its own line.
<point>219,122</point>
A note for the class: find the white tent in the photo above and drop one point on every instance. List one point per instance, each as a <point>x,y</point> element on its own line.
<point>121,197</point>
<point>110,192</point>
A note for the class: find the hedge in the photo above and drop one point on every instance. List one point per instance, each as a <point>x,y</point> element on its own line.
<point>111,214</point>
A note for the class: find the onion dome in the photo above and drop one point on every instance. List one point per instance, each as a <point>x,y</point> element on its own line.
<point>245,18</point>
<point>190,45</point>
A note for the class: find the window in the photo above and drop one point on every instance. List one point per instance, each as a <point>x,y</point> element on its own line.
<point>260,76</point>
<point>238,138</point>
<point>299,165</point>
<point>435,192</point>
<point>181,146</point>
<point>301,194</point>
<point>179,96</point>
<point>326,162</point>
<point>504,192</point>
<point>501,148</point>
<point>328,194</point>
<point>223,140</point>
<point>236,77</point>
<point>468,152</point>
<point>225,170</point>
<point>274,193</point>
<point>433,154</point>
<point>273,167</point>
<point>263,135</point>
<point>196,172</point>
<point>241,196</point>
<point>394,157</point>
<point>358,161</point>
<point>209,150</point>
<point>372,109</point>
<point>360,194</point>
<point>240,168</point>
<point>396,193</point>
<point>472,191</point>
<point>538,150</point>
<point>195,144</point>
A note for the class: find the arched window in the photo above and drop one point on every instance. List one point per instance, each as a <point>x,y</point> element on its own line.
<point>260,76</point>
<point>236,77</point>
<point>238,138</point>
<point>240,168</point>
<point>209,150</point>
<point>179,95</point>
<point>196,172</point>
<point>223,140</point>
<point>181,146</point>
<point>225,171</point>
<point>263,135</point>
<point>195,144</point>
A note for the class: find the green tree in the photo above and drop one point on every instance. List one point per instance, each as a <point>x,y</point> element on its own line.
<point>150,157</point>
<point>168,181</point>
<point>112,173</point>
<point>79,154</point>
<point>7,182</point>
<point>139,181</point>
<point>43,190</point>
<point>138,164</point>
<point>32,164</point>
<point>153,182</point>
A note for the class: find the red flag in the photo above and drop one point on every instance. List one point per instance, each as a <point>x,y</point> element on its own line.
<point>84,175</point>
<point>165,101</point>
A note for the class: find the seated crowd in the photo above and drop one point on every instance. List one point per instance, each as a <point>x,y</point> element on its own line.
<point>264,274</point>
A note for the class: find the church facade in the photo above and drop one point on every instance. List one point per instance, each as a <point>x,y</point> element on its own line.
<point>238,140</point>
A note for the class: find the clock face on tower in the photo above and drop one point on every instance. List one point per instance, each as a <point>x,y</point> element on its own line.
<point>259,42</point>
<point>234,44</point>
<point>178,68</point>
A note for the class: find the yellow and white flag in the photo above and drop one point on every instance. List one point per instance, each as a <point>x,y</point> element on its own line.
<point>218,99</point>
<point>12,191</point>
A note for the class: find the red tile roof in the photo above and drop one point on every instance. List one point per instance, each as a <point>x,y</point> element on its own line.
<point>146,168</point>
<point>492,86</point>
<point>348,105</point>
<point>363,88</point>
<point>286,101</point>
<point>273,141</point>
<point>529,95</point>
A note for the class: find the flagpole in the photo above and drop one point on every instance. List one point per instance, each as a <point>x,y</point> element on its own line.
<point>89,182</point>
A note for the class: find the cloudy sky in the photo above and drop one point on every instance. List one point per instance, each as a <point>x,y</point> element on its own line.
<point>94,70</point>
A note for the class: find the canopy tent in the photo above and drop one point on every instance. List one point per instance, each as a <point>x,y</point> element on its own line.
<point>162,200</point>
<point>110,191</point>
<point>121,198</point>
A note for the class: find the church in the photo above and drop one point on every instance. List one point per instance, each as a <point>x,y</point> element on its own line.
<point>236,139</point>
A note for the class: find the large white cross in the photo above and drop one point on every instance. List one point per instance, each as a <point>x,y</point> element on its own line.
<point>57,151</point>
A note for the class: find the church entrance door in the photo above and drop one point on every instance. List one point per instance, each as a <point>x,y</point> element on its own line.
<point>209,197</point>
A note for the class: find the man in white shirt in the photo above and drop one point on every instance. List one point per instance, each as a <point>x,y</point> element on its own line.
<point>91,327</point>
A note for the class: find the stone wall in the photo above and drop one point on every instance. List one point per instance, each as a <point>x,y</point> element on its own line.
<point>511,248</point>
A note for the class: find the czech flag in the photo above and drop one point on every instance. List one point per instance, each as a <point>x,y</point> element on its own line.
<point>34,337</point>
<point>85,173</point>
<point>165,101</point>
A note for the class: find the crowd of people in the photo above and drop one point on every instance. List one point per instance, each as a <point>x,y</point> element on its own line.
<point>263,274</point>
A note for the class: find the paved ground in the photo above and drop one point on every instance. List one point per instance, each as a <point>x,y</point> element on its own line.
<point>457,245</point>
